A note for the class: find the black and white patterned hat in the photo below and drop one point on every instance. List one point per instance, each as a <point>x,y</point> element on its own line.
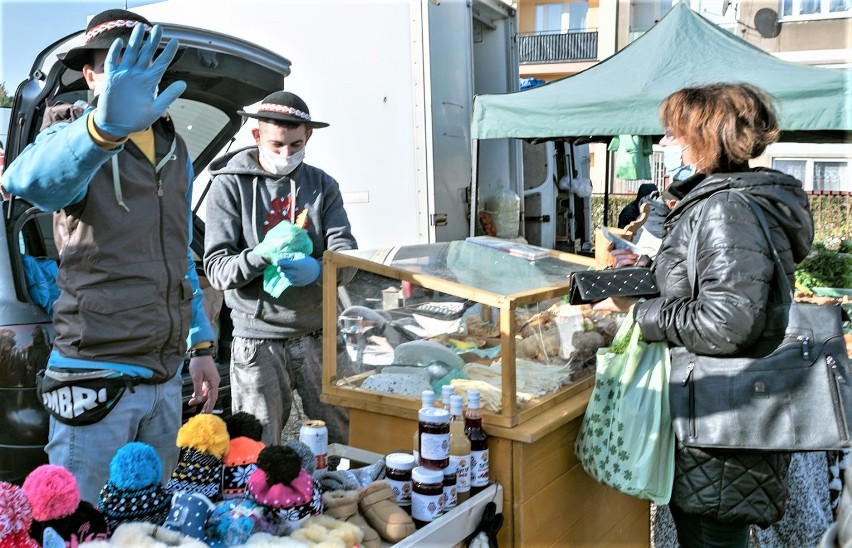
<point>203,441</point>
<point>133,491</point>
<point>197,472</point>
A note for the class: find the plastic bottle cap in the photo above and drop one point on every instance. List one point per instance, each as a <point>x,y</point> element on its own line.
<point>473,398</point>
<point>456,405</point>
<point>421,474</point>
<point>427,398</point>
<point>400,461</point>
<point>451,468</point>
<point>434,414</point>
<point>447,392</point>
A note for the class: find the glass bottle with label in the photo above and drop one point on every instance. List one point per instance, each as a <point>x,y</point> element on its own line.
<point>427,399</point>
<point>478,444</point>
<point>434,426</point>
<point>451,494</point>
<point>399,466</point>
<point>427,495</point>
<point>459,449</point>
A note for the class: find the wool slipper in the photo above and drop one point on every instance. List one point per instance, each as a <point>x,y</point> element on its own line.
<point>343,505</point>
<point>378,505</point>
<point>351,480</point>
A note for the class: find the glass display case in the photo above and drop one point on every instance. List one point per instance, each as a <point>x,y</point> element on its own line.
<point>483,313</point>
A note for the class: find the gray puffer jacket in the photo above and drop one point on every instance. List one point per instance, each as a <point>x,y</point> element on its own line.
<point>735,272</point>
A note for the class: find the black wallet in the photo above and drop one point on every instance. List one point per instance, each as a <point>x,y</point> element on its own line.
<point>595,285</point>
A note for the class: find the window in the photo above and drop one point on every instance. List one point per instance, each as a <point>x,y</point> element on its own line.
<point>197,123</point>
<point>645,13</point>
<point>815,9</point>
<point>561,17</point>
<point>818,175</point>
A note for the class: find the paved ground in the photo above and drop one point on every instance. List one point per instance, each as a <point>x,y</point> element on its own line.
<point>294,423</point>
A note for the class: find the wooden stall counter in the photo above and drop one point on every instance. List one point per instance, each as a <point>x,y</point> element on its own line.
<point>548,499</point>
<point>506,303</point>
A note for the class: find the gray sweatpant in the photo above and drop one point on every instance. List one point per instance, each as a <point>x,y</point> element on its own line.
<point>264,372</point>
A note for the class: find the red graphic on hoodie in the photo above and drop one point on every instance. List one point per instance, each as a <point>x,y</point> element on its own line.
<point>280,211</point>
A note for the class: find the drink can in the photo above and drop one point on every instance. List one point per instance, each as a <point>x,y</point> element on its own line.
<point>314,434</point>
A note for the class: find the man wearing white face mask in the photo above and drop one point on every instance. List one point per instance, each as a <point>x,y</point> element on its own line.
<point>277,340</point>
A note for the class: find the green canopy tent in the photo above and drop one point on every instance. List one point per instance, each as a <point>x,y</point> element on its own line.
<point>622,94</point>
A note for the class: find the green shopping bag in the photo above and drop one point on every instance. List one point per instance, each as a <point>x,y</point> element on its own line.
<point>627,440</point>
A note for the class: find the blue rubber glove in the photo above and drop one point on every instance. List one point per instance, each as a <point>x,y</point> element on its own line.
<point>300,272</point>
<point>127,103</point>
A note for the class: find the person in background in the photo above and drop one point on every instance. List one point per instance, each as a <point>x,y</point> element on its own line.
<point>631,212</point>
<point>717,129</point>
<point>650,235</point>
<point>120,181</point>
<point>277,343</point>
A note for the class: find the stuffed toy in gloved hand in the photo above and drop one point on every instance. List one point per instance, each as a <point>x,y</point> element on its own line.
<point>284,241</point>
<point>203,441</point>
<point>299,269</point>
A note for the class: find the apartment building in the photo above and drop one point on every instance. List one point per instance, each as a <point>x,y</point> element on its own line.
<point>558,39</point>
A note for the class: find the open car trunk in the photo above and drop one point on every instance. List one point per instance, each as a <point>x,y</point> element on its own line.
<point>223,75</point>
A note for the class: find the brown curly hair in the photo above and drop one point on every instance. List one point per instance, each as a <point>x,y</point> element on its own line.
<point>726,124</point>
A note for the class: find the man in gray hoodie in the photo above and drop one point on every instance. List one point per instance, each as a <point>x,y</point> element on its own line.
<point>277,340</point>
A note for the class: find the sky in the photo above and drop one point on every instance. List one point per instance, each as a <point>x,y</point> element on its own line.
<point>28,26</point>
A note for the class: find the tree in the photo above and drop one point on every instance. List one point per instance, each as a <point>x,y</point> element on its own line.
<point>5,98</point>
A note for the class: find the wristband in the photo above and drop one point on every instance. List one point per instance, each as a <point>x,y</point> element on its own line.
<point>206,351</point>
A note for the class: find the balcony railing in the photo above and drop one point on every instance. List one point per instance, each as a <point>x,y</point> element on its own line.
<point>548,47</point>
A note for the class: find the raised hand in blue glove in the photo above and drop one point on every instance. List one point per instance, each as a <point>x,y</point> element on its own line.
<point>300,271</point>
<point>129,102</point>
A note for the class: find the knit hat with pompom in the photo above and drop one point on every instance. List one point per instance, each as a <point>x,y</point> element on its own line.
<point>240,461</point>
<point>54,498</point>
<point>203,441</point>
<point>133,491</point>
<point>287,491</point>
<point>16,516</point>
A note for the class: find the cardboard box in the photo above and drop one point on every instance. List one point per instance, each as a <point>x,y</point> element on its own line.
<point>451,528</point>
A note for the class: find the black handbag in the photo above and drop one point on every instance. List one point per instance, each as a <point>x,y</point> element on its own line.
<point>594,285</point>
<point>790,392</point>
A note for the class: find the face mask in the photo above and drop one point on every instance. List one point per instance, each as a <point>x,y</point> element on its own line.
<point>281,165</point>
<point>673,162</point>
<point>683,172</point>
<point>672,158</point>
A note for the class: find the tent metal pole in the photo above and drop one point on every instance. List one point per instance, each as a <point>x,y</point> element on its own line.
<point>606,188</point>
<point>474,186</point>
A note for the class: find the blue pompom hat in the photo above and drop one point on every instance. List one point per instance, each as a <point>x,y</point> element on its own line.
<point>134,491</point>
